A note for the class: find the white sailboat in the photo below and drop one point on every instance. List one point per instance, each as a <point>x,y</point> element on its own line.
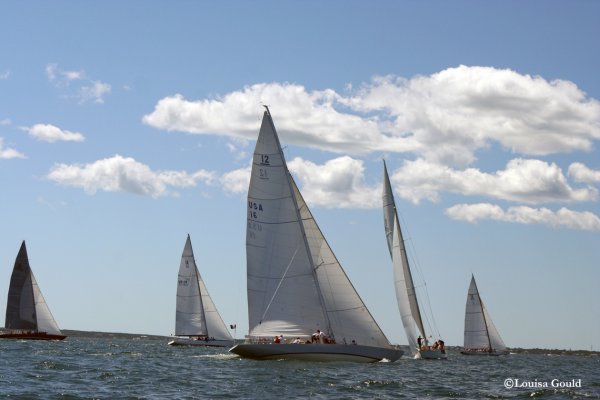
<point>295,283</point>
<point>405,289</point>
<point>481,336</point>
<point>197,321</point>
<point>27,314</point>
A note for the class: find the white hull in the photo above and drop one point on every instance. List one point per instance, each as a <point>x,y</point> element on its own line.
<point>431,355</point>
<point>316,352</point>
<point>185,341</point>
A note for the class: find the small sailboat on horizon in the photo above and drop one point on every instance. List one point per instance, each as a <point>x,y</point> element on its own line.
<point>27,314</point>
<point>295,283</point>
<point>403,282</point>
<point>197,321</point>
<point>481,336</point>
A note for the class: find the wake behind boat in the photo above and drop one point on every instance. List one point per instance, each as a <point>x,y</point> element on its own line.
<point>295,283</point>
<point>403,282</point>
<point>481,336</point>
<point>27,314</point>
<point>197,321</point>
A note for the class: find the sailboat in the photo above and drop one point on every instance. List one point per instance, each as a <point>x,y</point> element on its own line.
<point>301,304</point>
<point>27,314</point>
<point>481,336</point>
<point>405,289</point>
<point>197,321</point>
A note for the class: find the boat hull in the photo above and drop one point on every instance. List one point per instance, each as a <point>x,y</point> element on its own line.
<point>31,336</point>
<point>431,355</point>
<point>316,352</point>
<point>185,341</point>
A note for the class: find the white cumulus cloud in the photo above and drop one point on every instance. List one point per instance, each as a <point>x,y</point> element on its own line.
<point>8,153</point>
<point>124,174</point>
<point>51,133</point>
<point>87,90</point>
<point>563,218</point>
<point>95,92</point>
<point>236,181</point>
<point>523,180</point>
<point>582,173</point>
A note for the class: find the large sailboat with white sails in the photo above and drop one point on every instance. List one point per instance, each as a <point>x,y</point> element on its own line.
<point>301,304</point>
<point>406,294</point>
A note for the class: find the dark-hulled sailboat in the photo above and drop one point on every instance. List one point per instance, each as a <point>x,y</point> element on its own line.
<point>27,314</point>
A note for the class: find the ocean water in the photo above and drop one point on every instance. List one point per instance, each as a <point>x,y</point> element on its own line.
<point>84,368</point>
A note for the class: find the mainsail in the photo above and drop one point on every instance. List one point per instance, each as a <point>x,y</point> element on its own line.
<point>480,332</point>
<point>295,283</point>
<point>26,308</point>
<point>196,314</point>
<point>403,282</point>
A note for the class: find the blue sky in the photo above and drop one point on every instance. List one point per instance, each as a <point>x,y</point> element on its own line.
<point>125,126</point>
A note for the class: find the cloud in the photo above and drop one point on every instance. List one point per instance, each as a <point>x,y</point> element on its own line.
<point>523,180</point>
<point>445,117</point>
<point>50,133</point>
<point>581,173</point>
<point>94,93</point>
<point>339,183</point>
<point>124,174</point>
<point>87,90</point>
<point>4,75</point>
<point>563,218</point>
<point>236,181</point>
<point>5,121</point>
<point>302,118</point>
<point>8,153</point>
<point>62,77</point>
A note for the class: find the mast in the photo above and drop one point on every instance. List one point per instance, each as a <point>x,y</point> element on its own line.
<point>299,217</point>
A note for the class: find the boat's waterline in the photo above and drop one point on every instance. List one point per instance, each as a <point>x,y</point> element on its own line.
<point>185,341</point>
<point>316,352</point>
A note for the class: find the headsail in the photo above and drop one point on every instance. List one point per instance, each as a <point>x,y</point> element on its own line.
<point>196,314</point>
<point>403,282</point>
<point>480,332</point>
<point>26,308</point>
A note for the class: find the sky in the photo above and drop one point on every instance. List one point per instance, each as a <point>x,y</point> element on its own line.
<point>125,126</point>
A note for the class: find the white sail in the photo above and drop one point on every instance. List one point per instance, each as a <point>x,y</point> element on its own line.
<point>349,318</point>
<point>295,283</point>
<point>480,332</point>
<point>196,314</point>
<point>45,320</point>
<point>403,282</point>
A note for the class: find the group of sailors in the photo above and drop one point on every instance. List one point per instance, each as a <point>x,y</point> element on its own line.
<point>317,337</point>
<point>437,345</point>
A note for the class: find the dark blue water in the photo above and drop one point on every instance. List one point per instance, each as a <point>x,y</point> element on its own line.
<point>80,368</point>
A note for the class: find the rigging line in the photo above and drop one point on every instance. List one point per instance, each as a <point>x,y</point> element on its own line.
<point>280,282</point>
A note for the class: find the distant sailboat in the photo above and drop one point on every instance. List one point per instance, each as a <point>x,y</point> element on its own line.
<point>481,336</point>
<point>403,281</point>
<point>197,321</point>
<point>27,314</point>
<point>296,285</point>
